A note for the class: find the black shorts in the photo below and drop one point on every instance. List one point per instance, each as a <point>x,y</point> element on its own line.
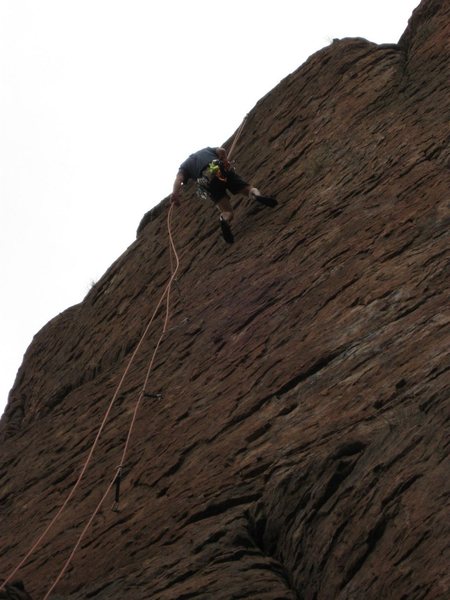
<point>217,189</point>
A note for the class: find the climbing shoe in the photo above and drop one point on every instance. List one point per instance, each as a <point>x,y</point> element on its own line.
<point>266,200</point>
<point>226,231</point>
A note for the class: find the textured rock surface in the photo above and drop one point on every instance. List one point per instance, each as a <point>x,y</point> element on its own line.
<point>300,449</point>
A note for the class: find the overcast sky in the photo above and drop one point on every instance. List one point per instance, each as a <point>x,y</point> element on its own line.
<point>100,101</point>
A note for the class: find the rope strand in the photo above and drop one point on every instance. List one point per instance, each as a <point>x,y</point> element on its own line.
<point>40,539</point>
<point>116,477</point>
<point>237,136</point>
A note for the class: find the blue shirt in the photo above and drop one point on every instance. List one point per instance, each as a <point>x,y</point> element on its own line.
<point>193,166</point>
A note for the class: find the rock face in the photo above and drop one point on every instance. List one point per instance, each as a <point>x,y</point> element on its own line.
<point>299,448</point>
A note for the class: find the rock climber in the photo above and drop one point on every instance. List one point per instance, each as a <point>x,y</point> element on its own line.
<point>214,175</point>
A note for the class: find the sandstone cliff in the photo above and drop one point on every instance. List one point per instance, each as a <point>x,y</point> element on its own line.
<point>299,449</point>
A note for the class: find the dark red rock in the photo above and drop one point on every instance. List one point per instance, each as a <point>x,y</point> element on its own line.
<point>300,449</point>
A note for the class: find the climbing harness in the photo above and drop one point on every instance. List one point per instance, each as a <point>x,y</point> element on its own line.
<point>215,170</point>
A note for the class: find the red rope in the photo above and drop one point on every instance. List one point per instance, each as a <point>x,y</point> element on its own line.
<point>165,294</point>
<point>236,137</point>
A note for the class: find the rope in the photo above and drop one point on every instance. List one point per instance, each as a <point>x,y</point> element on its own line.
<point>117,475</point>
<point>39,540</point>
<point>237,136</point>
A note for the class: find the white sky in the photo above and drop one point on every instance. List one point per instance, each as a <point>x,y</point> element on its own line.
<point>100,101</point>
